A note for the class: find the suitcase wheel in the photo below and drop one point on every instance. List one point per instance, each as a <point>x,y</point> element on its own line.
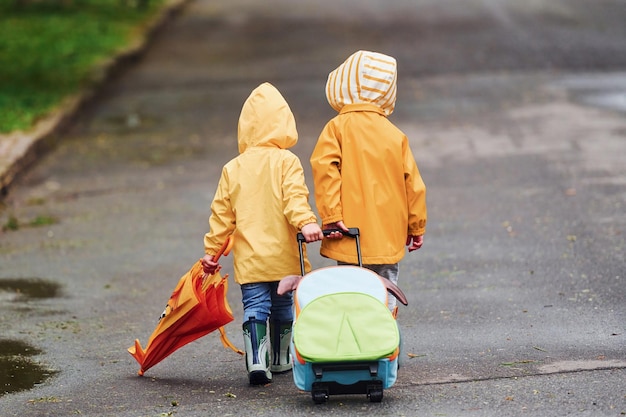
<point>375,395</point>
<point>319,396</point>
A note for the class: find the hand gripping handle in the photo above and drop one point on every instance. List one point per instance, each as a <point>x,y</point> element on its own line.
<point>352,232</point>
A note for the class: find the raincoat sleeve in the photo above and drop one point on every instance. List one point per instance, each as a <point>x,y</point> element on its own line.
<point>222,220</point>
<point>415,192</point>
<point>326,166</point>
<point>296,194</point>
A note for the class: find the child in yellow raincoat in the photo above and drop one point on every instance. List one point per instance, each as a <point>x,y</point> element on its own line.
<point>364,172</point>
<point>262,200</point>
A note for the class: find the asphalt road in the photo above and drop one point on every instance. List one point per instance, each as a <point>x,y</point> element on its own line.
<point>516,115</point>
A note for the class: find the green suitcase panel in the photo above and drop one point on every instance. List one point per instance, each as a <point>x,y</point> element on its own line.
<point>345,327</point>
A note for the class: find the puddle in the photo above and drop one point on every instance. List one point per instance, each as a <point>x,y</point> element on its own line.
<point>607,100</point>
<point>18,372</point>
<point>30,288</point>
<point>607,91</point>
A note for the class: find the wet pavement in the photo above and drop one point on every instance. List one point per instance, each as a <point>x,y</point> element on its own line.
<point>517,119</point>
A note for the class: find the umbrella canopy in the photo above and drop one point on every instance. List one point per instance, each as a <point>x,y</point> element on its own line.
<point>197,307</point>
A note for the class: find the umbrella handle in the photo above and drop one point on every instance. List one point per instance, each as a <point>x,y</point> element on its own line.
<point>225,249</point>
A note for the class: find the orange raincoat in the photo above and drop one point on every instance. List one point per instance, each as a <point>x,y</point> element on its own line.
<point>363,168</point>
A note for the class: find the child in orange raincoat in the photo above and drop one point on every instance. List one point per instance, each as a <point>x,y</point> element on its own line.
<point>262,200</point>
<point>364,172</point>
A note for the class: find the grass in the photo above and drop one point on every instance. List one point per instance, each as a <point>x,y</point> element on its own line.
<point>50,48</point>
<point>13,223</point>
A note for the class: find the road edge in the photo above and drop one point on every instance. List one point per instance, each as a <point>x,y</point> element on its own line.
<point>19,150</point>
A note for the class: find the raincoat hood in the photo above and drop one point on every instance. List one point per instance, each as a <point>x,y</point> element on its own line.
<point>266,120</point>
<point>365,77</point>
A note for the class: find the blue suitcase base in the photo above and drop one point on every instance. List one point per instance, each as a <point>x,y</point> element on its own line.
<point>325,379</point>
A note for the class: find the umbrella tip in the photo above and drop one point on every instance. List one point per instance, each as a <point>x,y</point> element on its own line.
<point>140,373</point>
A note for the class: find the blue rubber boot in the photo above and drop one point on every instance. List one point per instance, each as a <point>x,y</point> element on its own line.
<point>280,333</point>
<point>257,346</point>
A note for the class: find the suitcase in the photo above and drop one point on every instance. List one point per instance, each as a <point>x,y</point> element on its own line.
<point>344,338</point>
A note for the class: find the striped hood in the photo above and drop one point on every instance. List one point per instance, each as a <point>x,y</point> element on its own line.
<point>365,77</point>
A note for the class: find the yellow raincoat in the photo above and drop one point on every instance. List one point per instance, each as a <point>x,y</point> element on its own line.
<point>262,198</point>
<point>363,168</point>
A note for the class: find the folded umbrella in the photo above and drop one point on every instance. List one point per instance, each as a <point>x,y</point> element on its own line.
<point>197,307</point>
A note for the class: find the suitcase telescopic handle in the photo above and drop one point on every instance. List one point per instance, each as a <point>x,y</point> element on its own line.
<point>352,232</point>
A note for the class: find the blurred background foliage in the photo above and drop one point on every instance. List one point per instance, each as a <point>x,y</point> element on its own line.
<point>50,48</point>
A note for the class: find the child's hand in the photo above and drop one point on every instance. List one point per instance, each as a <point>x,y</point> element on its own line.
<point>209,266</point>
<point>334,226</point>
<point>312,232</point>
<point>414,242</point>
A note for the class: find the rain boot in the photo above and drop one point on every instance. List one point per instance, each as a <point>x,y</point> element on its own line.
<point>280,332</point>
<point>256,343</point>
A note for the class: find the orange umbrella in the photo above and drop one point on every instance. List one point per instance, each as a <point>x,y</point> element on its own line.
<point>197,307</point>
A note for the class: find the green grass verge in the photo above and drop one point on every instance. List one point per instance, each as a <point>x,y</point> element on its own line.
<point>49,49</point>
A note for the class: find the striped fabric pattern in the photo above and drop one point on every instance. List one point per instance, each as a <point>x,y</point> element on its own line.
<point>365,77</point>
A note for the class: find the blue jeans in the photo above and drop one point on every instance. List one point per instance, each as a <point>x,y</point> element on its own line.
<point>261,301</point>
